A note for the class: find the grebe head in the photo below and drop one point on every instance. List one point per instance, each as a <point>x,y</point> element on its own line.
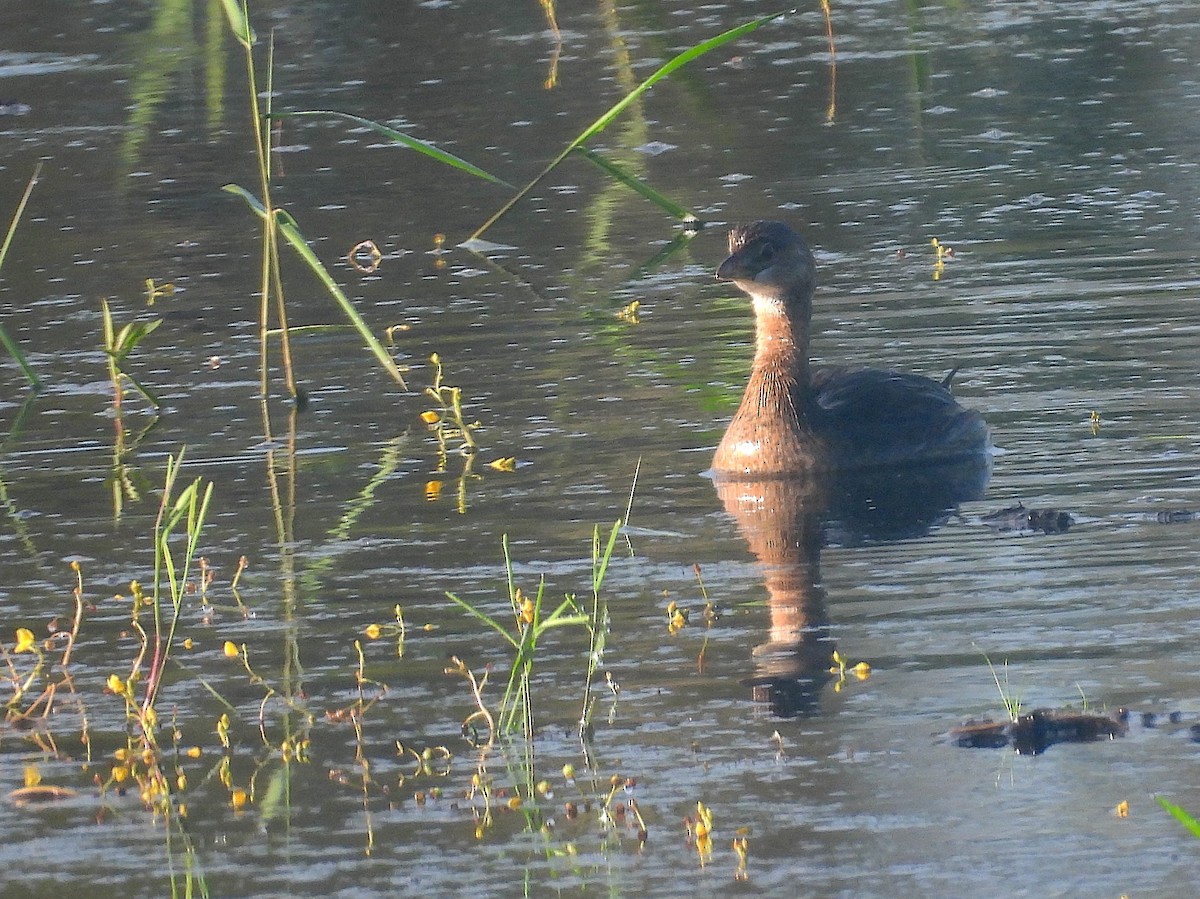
<point>773,264</point>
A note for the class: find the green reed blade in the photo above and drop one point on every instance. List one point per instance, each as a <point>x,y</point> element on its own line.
<point>486,619</point>
<point>11,345</point>
<point>149,395</point>
<point>1181,815</point>
<point>638,185</point>
<point>401,138</point>
<point>239,23</point>
<point>603,122</point>
<point>291,232</point>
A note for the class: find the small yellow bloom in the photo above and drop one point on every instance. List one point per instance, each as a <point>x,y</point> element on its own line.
<point>1122,809</point>
<point>181,782</point>
<point>507,463</point>
<point>862,670</point>
<point>120,773</point>
<point>188,644</point>
<point>373,631</point>
<point>238,798</point>
<point>230,649</point>
<point>433,489</point>
<point>116,684</point>
<point>24,640</point>
<point>430,417</point>
<point>194,752</point>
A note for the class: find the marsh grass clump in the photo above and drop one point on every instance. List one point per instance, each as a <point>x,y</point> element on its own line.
<point>531,624</point>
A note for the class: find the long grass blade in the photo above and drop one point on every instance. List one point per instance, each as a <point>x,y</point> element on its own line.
<point>486,619</point>
<point>401,138</point>
<point>620,106</point>
<point>11,345</point>
<point>600,563</point>
<point>239,24</point>
<point>638,185</point>
<point>291,233</point>
<point>1181,815</point>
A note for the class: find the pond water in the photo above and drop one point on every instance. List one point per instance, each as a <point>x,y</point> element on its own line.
<point>1052,146</point>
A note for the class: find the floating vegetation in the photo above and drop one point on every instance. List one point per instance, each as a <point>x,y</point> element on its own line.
<point>941,253</point>
<point>861,671</point>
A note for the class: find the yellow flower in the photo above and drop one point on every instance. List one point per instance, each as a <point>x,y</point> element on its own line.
<point>373,631</point>
<point>230,649</point>
<point>24,640</point>
<point>507,463</point>
<point>430,417</point>
<point>116,684</point>
<point>239,798</point>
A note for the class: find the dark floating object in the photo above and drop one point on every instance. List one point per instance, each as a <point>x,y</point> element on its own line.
<point>1034,732</point>
<point>1175,516</point>
<point>1019,518</point>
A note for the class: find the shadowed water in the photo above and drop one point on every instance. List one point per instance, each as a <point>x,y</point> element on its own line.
<point>1051,146</point>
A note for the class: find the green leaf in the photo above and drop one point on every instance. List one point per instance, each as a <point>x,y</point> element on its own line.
<point>1181,815</point>
<point>620,106</point>
<point>238,23</point>
<point>638,185</point>
<point>400,137</point>
<point>291,233</point>
<point>486,619</point>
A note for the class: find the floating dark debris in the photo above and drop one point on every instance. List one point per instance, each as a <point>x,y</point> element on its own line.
<point>1019,518</point>
<point>1175,516</point>
<point>1034,732</point>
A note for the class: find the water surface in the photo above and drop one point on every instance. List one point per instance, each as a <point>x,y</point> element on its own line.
<point>1053,147</point>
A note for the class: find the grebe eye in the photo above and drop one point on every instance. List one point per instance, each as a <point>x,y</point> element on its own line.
<point>767,252</point>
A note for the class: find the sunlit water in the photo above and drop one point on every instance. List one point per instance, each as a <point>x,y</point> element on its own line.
<point>1051,146</point>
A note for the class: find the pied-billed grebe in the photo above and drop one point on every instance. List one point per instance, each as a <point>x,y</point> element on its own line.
<point>793,421</point>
